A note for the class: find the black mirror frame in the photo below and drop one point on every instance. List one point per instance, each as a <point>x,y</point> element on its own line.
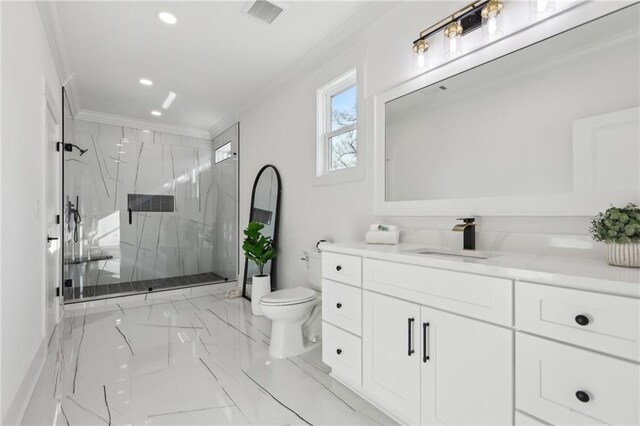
<point>273,270</point>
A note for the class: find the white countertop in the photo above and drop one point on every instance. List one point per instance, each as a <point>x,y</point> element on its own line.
<point>573,272</point>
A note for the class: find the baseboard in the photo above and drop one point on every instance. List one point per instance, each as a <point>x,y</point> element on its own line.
<point>18,406</point>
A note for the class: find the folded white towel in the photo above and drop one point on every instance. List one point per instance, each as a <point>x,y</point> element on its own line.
<point>382,237</point>
<point>376,227</point>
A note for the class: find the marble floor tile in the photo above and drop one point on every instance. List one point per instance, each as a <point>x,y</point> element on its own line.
<point>190,359</point>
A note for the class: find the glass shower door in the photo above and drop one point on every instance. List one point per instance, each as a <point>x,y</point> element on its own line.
<point>145,211</point>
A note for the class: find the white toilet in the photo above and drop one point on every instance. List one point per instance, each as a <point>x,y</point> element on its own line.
<point>295,314</point>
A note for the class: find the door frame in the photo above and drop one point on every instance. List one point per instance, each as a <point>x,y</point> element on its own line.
<point>50,107</point>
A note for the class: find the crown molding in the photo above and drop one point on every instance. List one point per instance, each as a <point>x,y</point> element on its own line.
<point>121,120</point>
<point>222,125</point>
<point>54,30</point>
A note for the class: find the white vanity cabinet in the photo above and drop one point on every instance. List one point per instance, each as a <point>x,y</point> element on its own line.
<point>474,343</point>
<point>391,354</point>
<point>466,371</point>
<point>425,365</point>
<point>341,316</point>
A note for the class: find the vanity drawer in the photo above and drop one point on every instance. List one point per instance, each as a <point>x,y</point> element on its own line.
<point>342,306</point>
<point>343,353</point>
<point>605,323</point>
<point>477,296</point>
<point>561,384</point>
<point>342,268</point>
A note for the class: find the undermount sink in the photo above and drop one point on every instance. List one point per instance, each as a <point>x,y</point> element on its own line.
<point>449,254</point>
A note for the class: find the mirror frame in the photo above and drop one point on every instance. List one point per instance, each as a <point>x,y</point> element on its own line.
<point>273,270</point>
<point>574,204</point>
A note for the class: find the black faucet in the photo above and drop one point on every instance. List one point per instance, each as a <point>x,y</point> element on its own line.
<point>469,232</point>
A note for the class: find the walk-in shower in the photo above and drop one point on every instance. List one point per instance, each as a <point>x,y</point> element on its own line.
<point>145,210</point>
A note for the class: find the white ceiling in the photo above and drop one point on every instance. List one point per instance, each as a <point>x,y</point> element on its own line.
<point>216,58</point>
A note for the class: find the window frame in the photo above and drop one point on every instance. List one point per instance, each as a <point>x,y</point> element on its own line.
<point>324,132</point>
<point>219,149</point>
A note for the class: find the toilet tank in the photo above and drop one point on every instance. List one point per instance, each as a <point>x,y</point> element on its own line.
<point>314,269</point>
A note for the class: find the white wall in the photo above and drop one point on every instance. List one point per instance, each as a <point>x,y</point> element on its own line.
<point>281,130</point>
<point>26,61</point>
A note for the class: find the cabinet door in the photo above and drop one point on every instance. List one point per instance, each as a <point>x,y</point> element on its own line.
<point>391,371</point>
<point>467,371</point>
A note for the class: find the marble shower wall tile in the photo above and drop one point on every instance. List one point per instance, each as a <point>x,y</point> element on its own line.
<point>196,238</point>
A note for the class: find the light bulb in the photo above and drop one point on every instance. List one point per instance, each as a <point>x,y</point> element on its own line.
<point>420,54</point>
<point>453,45</point>
<point>452,35</point>
<point>491,24</point>
<point>420,60</point>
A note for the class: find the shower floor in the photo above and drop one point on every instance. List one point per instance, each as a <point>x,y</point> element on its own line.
<point>77,294</point>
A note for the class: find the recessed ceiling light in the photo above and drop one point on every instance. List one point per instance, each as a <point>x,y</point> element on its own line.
<point>167,18</point>
<point>156,113</point>
<point>146,82</point>
<point>167,102</point>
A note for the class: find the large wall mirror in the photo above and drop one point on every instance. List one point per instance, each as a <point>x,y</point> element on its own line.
<point>265,204</point>
<point>552,128</point>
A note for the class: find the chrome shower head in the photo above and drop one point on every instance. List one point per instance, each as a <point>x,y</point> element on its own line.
<point>82,151</point>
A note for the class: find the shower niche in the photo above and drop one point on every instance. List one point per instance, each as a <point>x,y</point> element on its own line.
<point>146,211</point>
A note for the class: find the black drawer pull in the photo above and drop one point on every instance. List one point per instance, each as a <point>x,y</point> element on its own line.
<point>425,339</point>
<point>582,320</point>
<point>582,396</point>
<point>338,351</point>
<point>338,268</point>
<point>410,340</point>
<point>338,305</point>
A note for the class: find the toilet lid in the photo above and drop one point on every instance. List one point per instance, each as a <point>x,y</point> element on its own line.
<point>289,296</point>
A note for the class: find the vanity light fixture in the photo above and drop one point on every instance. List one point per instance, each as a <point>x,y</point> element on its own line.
<point>146,131</point>
<point>167,18</point>
<point>452,36</point>
<point>156,113</point>
<point>482,13</point>
<point>491,25</point>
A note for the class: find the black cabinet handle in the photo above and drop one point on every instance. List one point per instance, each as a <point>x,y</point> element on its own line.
<point>338,305</point>
<point>49,239</point>
<point>130,216</point>
<point>425,339</point>
<point>338,268</point>
<point>582,320</point>
<point>582,396</point>
<point>410,340</point>
<point>338,351</point>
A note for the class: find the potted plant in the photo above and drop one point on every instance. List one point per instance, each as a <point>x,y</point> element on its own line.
<point>258,249</point>
<point>619,228</point>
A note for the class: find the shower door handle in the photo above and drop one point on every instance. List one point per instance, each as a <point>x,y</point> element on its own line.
<point>130,216</point>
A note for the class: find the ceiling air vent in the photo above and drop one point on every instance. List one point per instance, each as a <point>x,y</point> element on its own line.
<point>264,11</point>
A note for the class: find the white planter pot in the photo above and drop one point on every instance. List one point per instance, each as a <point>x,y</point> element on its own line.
<point>260,286</point>
<point>624,255</point>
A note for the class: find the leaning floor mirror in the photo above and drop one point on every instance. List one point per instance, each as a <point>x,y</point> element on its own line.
<point>265,203</point>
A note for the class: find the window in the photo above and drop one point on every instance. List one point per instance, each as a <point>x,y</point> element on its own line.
<point>223,153</point>
<point>337,125</point>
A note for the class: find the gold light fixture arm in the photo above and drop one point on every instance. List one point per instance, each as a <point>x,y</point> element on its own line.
<point>451,17</point>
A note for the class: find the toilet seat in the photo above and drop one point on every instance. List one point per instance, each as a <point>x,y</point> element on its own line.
<point>290,296</point>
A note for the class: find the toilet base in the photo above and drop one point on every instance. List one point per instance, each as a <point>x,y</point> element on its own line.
<point>287,340</point>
